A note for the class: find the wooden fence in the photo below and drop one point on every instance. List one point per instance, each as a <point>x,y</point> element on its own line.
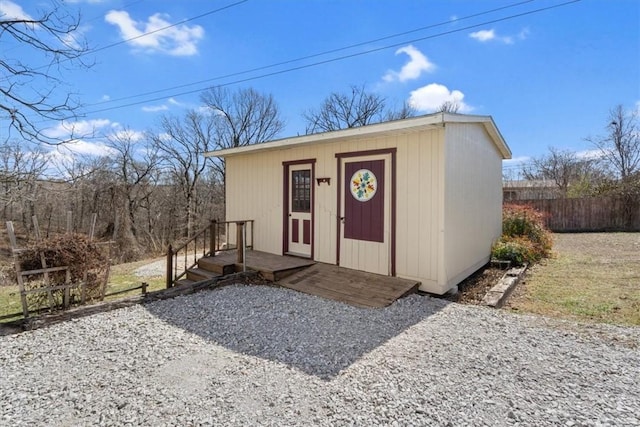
<point>588,214</point>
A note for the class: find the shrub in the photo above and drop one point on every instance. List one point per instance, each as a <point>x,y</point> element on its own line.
<point>518,250</point>
<point>524,239</point>
<point>87,262</point>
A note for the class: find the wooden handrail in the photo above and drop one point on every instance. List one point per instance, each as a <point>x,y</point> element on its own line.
<point>210,240</point>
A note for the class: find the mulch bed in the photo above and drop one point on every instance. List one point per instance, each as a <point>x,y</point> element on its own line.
<point>474,287</point>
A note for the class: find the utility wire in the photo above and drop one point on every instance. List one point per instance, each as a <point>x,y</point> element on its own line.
<point>202,15</point>
<point>99,49</point>
<point>302,58</point>
<point>339,58</point>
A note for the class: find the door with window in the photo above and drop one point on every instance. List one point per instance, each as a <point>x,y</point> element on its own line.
<point>300,203</point>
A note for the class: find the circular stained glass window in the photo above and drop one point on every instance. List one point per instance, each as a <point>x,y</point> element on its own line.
<point>363,185</point>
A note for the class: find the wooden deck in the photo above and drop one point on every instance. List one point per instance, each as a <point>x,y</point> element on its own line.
<point>272,267</point>
<point>349,286</point>
<point>324,280</point>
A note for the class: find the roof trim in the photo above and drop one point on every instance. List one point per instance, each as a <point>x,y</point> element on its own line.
<point>405,125</point>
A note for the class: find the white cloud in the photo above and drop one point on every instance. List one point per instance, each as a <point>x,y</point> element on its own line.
<point>484,36</point>
<point>589,154</point>
<point>180,40</point>
<point>515,161</point>
<point>163,107</point>
<point>11,10</point>
<point>432,96</point>
<point>418,64</point>
<point>154,108</point>
<point>128,134</point>
<point>84,148</point>
<point>79,129</point>
<point>105,98</point>
<point>76,39</point>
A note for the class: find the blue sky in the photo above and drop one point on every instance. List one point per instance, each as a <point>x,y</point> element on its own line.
<point>548,78</point>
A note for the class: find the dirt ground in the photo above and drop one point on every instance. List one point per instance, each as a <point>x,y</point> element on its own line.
<point>474,288</point>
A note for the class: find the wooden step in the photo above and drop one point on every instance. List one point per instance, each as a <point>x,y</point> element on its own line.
<point>216,265</point>
<point>198,274</point>
<point>350,286</point>
<point>183,282</point>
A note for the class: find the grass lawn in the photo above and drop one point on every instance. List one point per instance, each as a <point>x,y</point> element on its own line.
<point>122,276</point>
<point>592,277</point>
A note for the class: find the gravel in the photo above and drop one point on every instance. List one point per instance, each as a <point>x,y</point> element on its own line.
<point>259,355</point>
<point>159,268</point>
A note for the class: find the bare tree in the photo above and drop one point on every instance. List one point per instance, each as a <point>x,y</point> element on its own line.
<point>135,167</point>
<point>352,109</point>
<point>345,110</point>
<point>244,117</point>
<point>182,143</point>
<point>449,107</point>
<point>20,171</point>
<point>567,170</point>
<point>621,146</point>
<point>403,112</point>
<point>33,93</point>
<point>621,149</point>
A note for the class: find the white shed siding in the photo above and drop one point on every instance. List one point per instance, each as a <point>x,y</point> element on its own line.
<point>473,200</point>
<point>257,179</point>
<point>418,213</point>
<point>253,191</point>
<point>448,197</point>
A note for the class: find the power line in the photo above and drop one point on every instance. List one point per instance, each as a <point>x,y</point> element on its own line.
<point>202,15</point>
<point>339,58</point>
<point>125,6</point>
<point>315,55</point>
<point>92,51</point>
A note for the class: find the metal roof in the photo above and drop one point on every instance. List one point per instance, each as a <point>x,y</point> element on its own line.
<point>397,126</point>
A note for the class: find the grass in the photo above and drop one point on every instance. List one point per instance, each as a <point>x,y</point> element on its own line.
<point>10,302</point>
<point>592,277</point>
<point>121,277</point>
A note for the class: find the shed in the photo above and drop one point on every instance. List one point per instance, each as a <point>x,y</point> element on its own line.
<point>417,198</point>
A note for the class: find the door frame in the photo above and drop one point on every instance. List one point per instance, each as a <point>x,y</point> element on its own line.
<point>340,157</point>
<point>286,166</point>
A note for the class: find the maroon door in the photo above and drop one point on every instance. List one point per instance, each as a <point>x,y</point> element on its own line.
<point>364,200</point>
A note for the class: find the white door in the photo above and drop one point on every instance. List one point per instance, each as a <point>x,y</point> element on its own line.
<point>300,205</point>
<point>365,213</point>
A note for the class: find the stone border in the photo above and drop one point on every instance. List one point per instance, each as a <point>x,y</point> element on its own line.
<point>497,296</point>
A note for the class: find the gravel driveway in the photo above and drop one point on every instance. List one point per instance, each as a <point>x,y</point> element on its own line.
<point>258,355</point>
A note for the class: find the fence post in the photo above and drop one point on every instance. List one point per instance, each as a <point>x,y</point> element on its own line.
<point>212,237</point>
<point>244,247</point>
<point>240,242</point>
<point>169,267</point>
